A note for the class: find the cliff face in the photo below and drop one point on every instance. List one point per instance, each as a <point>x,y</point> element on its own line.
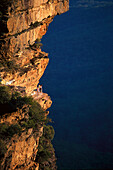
<point>21,148</point>
<point>27,21</point>
<point>21,128</point>
<point>22,64</point>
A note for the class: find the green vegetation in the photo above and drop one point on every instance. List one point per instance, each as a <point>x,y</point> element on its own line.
<point>36,45</point>
<point>3,148</point>
<point>8,62</point>
<point>48,132</point>
<point>45,149</point>
<point>5,94</point>
<point>36,119</point>
<point>36,114</point>
<point>7,131</point>
<point>14,100</point>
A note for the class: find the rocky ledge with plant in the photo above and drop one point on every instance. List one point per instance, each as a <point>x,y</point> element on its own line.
<point>25,130</point>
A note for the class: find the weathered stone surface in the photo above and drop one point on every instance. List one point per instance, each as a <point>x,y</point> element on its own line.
<point>27,21</point>
<point>33,67</point>
<point>22,150</point>
<point>43,99</point>
<point>24,13</point>
<point>14,117</point>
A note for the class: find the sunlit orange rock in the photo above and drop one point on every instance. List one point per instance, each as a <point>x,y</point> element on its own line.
<point>27,21</point>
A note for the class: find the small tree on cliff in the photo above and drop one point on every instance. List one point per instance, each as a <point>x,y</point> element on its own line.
<point>5,94</point>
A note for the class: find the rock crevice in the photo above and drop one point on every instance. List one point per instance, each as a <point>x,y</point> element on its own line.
<point>22,64</point>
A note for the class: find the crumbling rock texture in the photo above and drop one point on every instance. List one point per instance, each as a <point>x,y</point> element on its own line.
<point>21,149</point>
<point>23,25</point>
<point>27,21</point>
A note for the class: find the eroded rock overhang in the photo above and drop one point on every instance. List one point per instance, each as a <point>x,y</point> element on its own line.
<point>26,21</point>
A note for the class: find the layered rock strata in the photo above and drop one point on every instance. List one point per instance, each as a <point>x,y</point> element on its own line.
<point>23,23</point>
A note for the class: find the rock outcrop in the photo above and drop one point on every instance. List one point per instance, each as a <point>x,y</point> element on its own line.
<point>20,131</point>
<point>21,148</point>
<point>26,22</point>
<point>22,64</point>
<point>21,151</point>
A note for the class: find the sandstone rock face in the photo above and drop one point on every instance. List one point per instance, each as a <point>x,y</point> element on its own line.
<point>31,71</point>
<point>43,99</point>
<point>28,21</point>
<point>23,64</point>
<point>14,117</point>
<point>21,149</point>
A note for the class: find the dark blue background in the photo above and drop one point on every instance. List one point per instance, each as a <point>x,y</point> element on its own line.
<point>79,79</point>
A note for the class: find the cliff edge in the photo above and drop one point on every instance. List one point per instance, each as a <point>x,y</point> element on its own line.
<point>25,136</point>
<point>23,25</point>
